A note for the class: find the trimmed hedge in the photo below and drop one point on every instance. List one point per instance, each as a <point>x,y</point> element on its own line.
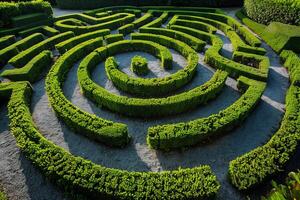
<point>194,24</point>
<point>170,136</point>
<point>76,175</point>
<point>235,69</point>
<point>285,11</point>
<point>24,20</point>
<point>126,29</point>
<point>66,45</point>
<point>33,70</point>
<point>139,65</point>
<point>9,10</point>
<point>113,38</point>
<point>257,165</point>
<point>145,19</point>
<point>45,30</point>
<point>158,21</point>
<point>237,43</point>
<point>14,49</point>
<point>63,25</point>
<point>292,63</point>
<point>195,43</point>
<point>282,36</point>
<point>108,132</point>
<point>279,36</point>
<point>7,41</point>
<point>24,57</point>
<point>144,107</point>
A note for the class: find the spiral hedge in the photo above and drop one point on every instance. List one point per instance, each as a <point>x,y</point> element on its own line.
<point>86,39</point>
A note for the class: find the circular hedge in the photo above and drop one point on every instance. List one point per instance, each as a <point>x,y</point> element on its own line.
<point>266,11</point>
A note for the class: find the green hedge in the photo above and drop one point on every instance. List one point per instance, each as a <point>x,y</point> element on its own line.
<point>45,30</point>
<point>28,19</point>
<point>292,63</point>
<point>77,175</point>
<point>237,42</point>
<point>150,86</point>
<point>33,70</point>
<point>197,44</point>
<point>235,69</point>
<point>158,21</point>
<point>126,29</point>
<point>194,24</point>
<point>113,38</point>
<point>279,36</point>
<point>66,45</point>
<point>257,165</point>
<point>63,24</point>
<point>170,136</point>
<point>7,41</point>
<point>285,11</point>
<point>143,107</point>
<point>139,65</point>
<point>24,57</point>
<point>9,10</point>
<point>146,18</point>
<point>14,49</point>
<point>108,132</point>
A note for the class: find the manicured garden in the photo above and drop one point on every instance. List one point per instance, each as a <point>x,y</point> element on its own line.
<point>150,99</point>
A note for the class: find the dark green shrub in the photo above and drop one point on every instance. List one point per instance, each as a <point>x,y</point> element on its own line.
<point>8,10</point>
<point>139,65</point>
<point>113,38</point>
<point>13,50</point>
<point>63,168</point>
<point>24,57</point>
<point>257,165</point>
<point>33,70</point>
<point>178,135</point>
<point>266,11</point>
<point>108,132</point>
<point>6,41</point>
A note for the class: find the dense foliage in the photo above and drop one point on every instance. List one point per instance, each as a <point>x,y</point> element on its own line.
<point>8,10</point>
<point>266,11</point>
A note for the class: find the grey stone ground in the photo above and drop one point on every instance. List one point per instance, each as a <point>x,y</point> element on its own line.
<point>22,181</point>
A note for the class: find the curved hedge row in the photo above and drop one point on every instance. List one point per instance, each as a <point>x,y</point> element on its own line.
<point>235,69</point>
<point>76,175</point>
<point>66,45</point>
<point>80,28</point>
<point>108,132</point>
<point>254,167</point>
<point>266,11</point>
<point>144,107</point>
<point>237,43</point>
<point>33,70</point>
<point>170,136</point>
<point>195,43</point>
<point>25,56</point>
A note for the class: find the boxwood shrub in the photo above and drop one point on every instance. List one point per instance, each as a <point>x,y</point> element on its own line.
<point>24,57</point>
<point>285,11</point>
<point>178,135</point>
<point>139,65</point>
<point>21,45</point>
<point>259,164</point>
<point>33,70</point>
<point>108,132</point>
<point>77,175</point>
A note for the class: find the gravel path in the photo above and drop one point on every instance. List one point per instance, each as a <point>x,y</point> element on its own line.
<point>22,181</point>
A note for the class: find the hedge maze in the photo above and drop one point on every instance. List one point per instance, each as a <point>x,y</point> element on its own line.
<point>98,36</point>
